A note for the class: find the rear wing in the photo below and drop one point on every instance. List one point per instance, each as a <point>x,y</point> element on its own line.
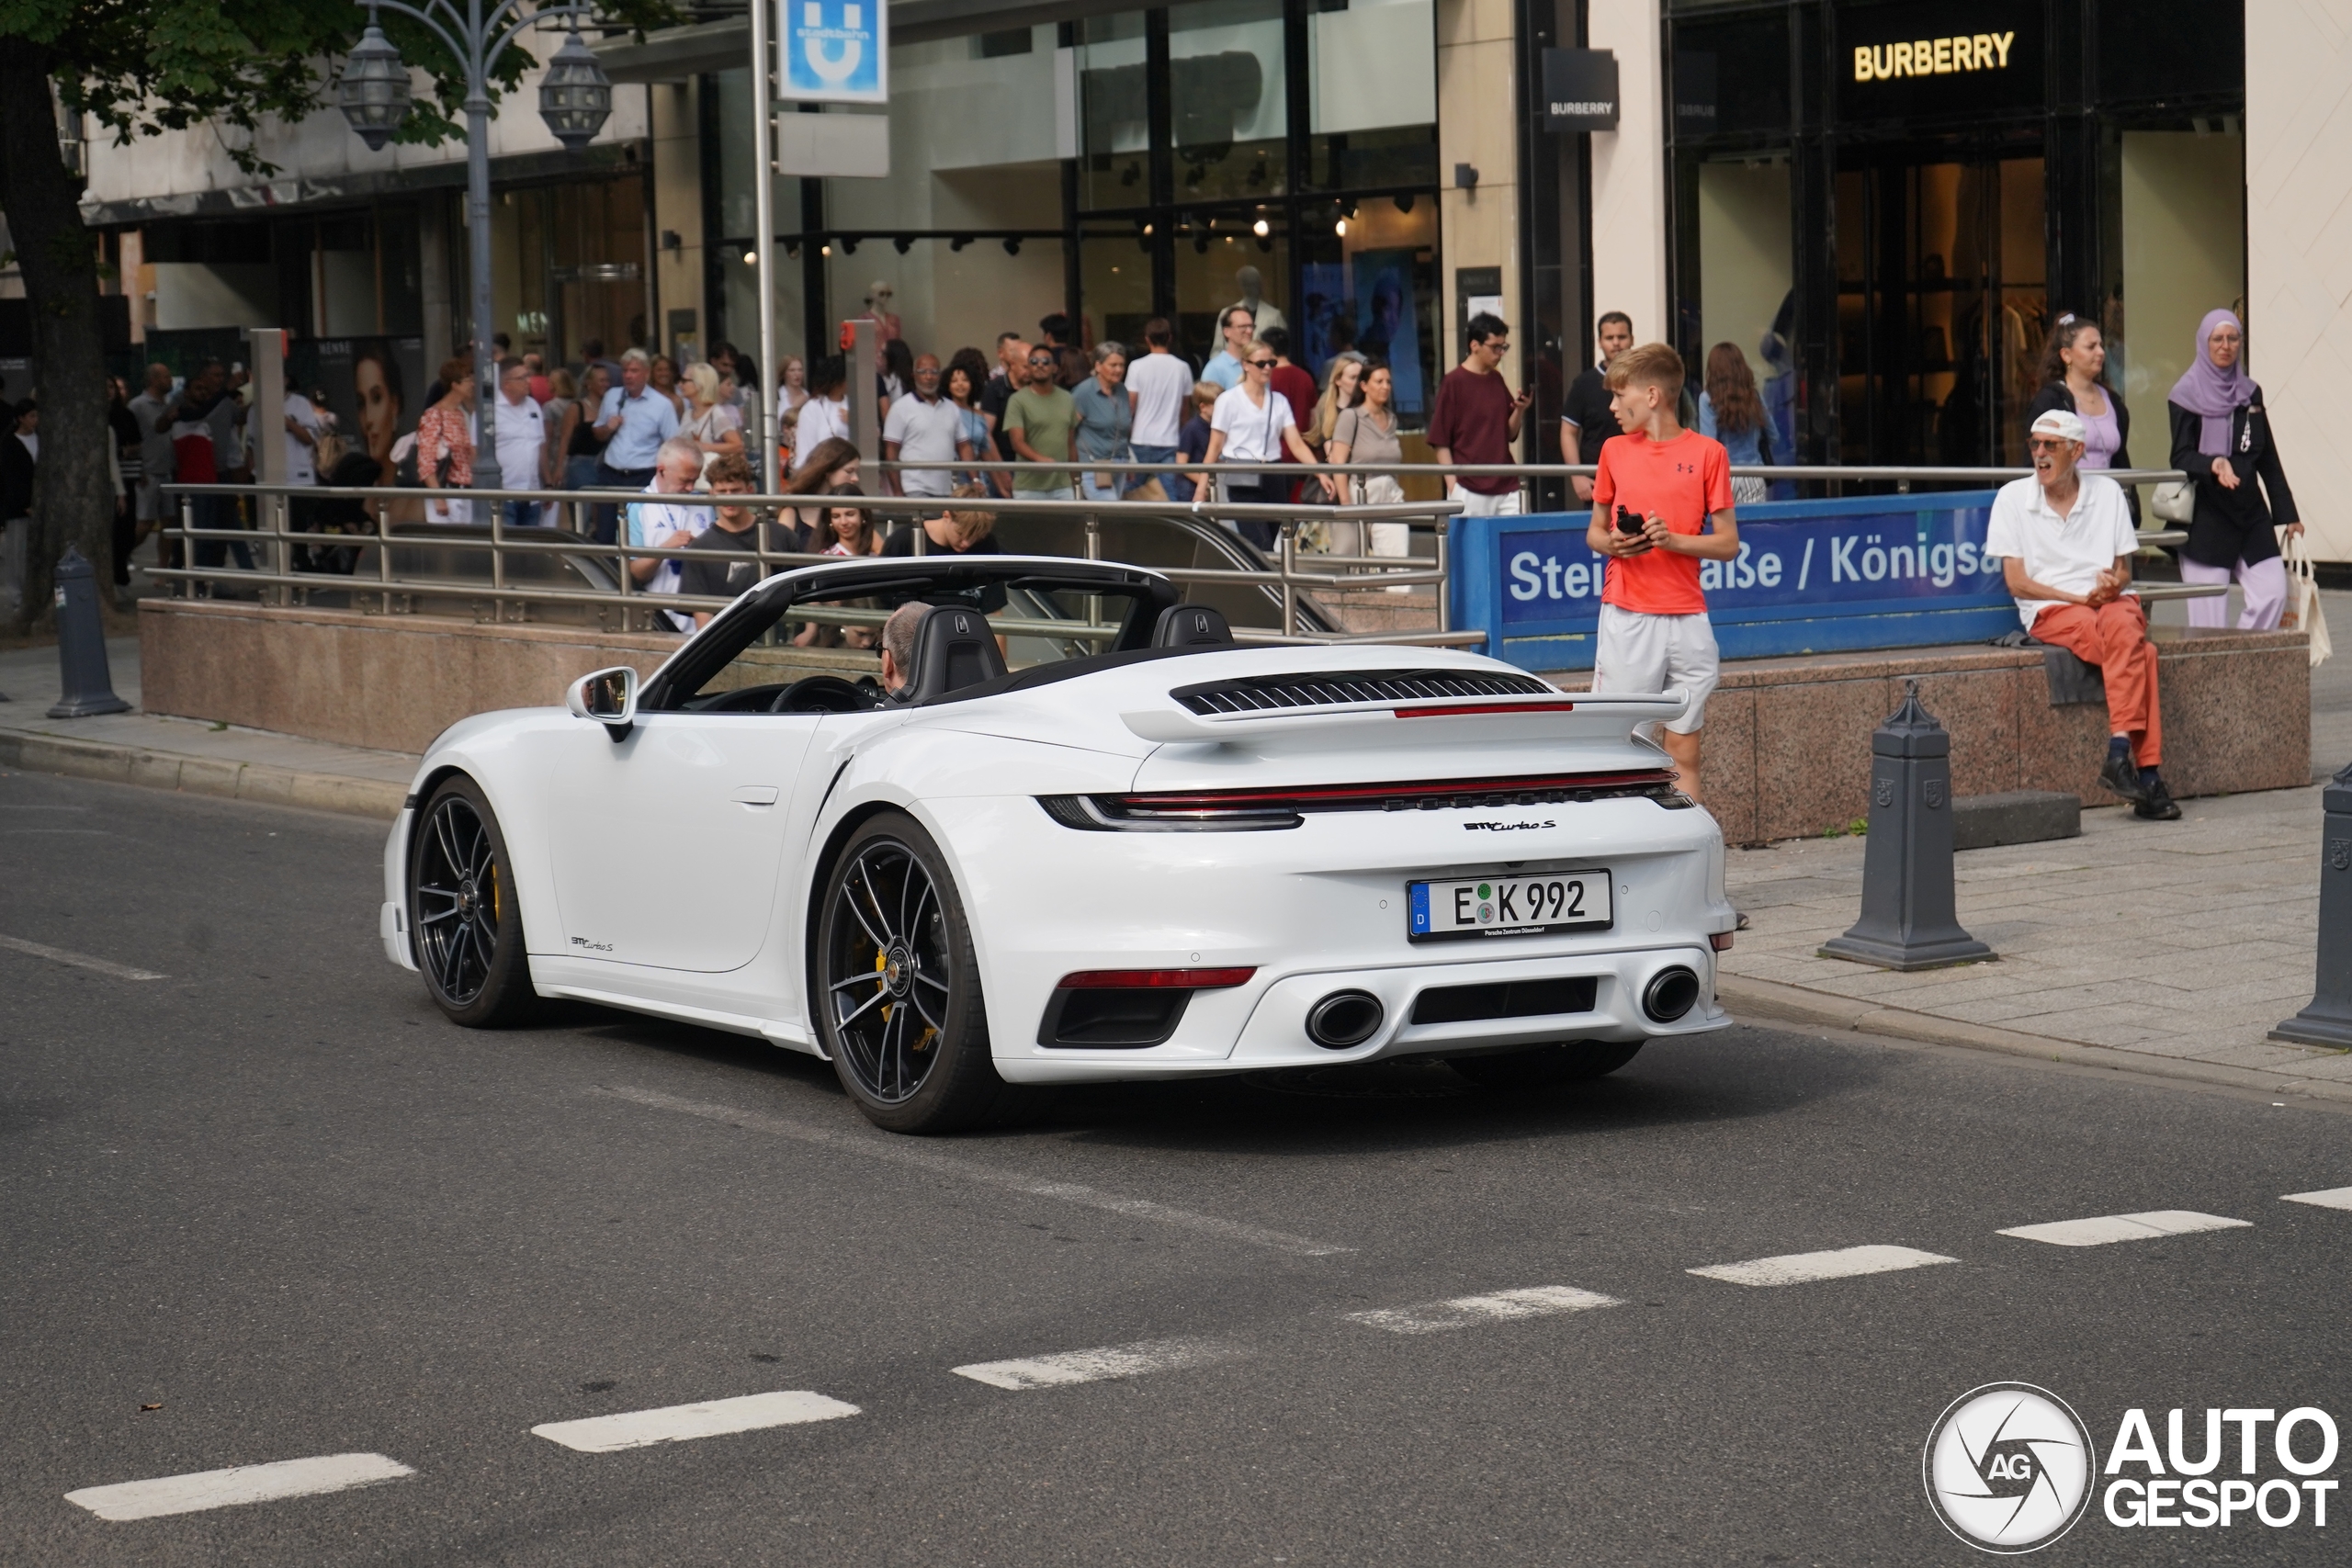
<point>1416,721</point>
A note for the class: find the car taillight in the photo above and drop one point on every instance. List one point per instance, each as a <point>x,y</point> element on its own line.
<point>1155,979</point>
<point>1248,810</point>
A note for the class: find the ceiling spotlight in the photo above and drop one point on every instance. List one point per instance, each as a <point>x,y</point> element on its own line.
<point>792,249</point>
<point>1404,203</point>
<point>750,258</point>
<point>1147,230</point>
<point>1265,245</point>
<point>1200,244</point>
<point>1340,227</point>
<point>824,250</point>
<point>959,241</point>
<point>1012,246</point>
<point>904,244</point>
<point>1261,227</point>
<point>848,245</point>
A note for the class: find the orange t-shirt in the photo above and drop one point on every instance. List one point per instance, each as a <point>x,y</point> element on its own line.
<point>1685,481</point>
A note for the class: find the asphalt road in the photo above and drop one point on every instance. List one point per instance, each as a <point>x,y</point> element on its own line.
<point>274,1197</point>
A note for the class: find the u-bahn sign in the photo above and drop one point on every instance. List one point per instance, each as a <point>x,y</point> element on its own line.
<point>832,51</point>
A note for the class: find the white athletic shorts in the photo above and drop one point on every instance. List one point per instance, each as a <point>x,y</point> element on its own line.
<point>1475,504</point>
<point>1658,653</point>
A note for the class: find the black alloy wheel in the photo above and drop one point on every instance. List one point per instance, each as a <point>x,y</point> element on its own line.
<point>464,918</point>
<point>898,995</point>
<point>1569,1061</point>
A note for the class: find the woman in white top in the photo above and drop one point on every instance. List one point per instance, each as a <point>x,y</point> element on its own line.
<point>1253,424</point>
<point>712,424</point>
<point>825,416</point>
<point>793,390</point>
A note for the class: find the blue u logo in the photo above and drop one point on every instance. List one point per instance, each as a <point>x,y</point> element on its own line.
<point>834,52</point>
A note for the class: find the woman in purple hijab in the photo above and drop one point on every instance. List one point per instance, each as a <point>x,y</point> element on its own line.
<point>2221,439</point>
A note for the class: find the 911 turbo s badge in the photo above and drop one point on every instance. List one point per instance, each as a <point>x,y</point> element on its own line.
<point>1503,827</point>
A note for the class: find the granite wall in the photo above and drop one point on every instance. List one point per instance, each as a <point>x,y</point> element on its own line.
<point>1788,740</point>
<point>388,682</point>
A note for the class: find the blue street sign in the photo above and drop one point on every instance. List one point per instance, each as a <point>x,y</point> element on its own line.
<point>1812,577</point>
<point>834,51</point>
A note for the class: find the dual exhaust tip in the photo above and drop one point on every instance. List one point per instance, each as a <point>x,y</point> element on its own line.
<point>1348,1018</point>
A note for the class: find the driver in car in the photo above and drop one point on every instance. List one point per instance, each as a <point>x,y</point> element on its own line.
<point>898,646</point>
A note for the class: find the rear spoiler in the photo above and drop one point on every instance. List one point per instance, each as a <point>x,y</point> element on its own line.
<point>1436,718</point>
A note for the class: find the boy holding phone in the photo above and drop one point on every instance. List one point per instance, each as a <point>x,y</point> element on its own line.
<point>1658,489</point>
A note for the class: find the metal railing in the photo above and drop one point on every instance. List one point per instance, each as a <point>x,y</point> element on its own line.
<point>1288,580</point>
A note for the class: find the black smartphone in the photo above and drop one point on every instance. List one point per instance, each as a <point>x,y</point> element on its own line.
<point>1626,522</point>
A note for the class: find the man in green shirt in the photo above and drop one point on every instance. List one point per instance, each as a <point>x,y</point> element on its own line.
<point>1039,418</point>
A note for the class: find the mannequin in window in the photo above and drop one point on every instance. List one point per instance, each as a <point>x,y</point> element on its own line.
<point>1253,290</point>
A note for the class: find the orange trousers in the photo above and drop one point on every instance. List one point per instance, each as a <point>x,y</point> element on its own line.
<point>2115,637</point>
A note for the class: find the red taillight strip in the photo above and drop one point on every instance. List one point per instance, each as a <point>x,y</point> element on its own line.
<point>1455,710</point>
<point>1156,979</point>
<point>1241,797</point>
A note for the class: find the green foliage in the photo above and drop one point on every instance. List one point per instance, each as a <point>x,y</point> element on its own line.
<point>141,67</point>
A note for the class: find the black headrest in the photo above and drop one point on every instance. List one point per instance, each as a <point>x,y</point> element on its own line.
<point>1192,626</point>
<point>954,648</point>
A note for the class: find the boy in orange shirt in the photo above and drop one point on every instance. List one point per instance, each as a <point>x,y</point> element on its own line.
<point>1658,488</point>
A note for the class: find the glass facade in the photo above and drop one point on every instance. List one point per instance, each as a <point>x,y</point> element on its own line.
<point>1884,205</point>
<point>1119,167</point>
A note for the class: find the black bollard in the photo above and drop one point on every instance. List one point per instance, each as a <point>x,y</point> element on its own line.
<point>1908,921</point>
<point>82,644</point>
<point>2328,1021</point>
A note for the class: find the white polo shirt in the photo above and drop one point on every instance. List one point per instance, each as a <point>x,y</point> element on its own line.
<point>925,433</point>
<point>522,437</point>
<point>2067,552</point>
<point>1161,384</point>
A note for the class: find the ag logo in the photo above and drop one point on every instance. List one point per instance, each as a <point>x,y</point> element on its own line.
<point>1886,792</point>
<point>2009,1468</point>
<point>2339,853</point>
<point>1934,790</point>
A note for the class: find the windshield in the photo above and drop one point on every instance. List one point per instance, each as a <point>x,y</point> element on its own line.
<point>1036,621</point>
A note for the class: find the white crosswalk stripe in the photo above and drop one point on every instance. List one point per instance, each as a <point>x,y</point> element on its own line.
<point>2101,1229</point>
<point>684,1423</point>
<point>1800,1267</point>
<point>1102,1364</point>
<point>2333,1198</point>
<point>1435,1317</point>
<point>239,1483</point>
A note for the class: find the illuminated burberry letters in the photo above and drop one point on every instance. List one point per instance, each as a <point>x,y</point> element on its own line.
<point>1932,56</point>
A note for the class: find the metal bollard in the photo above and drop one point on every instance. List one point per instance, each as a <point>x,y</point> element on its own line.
<point>1908,920</point>
<point>2328,1021</point>
<point>82,644</point>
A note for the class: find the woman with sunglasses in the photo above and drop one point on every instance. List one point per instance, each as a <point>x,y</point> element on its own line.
<point>1253,424</point>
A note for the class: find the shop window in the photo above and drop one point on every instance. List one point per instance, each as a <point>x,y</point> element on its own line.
<point>1114,113</point>
<point>2171,50</point>
<point>1230,111</point>
<point>1746,273</point>
<point>2184,253</point>
<point>1731,78</point>
<point>1372,94</point>
<point>1373,289</point>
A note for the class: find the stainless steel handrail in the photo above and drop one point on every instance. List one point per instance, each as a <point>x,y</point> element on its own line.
<point>1286,577</point>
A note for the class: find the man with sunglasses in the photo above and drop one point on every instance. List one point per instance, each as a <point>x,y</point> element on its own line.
<point>2064,541</point>
<point>1039,418</point>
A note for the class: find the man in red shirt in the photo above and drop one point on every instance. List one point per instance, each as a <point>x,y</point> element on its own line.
<point>1476,418</point>
<point>1298,388</point>
<point>1659,488</point>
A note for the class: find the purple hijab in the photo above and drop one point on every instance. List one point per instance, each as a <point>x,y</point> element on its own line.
<point>2214,394</point>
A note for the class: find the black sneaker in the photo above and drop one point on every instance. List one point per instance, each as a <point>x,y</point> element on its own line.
<point>2159,806</point>
<point>2122,777</point>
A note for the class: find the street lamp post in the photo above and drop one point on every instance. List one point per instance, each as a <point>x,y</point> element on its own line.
<point>575,97</point>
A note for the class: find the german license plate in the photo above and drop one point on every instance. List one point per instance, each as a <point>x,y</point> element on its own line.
<point>1513,905</point>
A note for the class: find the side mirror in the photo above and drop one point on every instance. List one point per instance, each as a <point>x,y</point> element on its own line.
<point>608,696</point>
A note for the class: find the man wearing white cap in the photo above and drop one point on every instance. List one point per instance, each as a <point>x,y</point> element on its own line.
<point>2065,540</point>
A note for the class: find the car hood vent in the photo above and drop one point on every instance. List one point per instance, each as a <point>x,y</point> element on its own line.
<point>1272,692</point>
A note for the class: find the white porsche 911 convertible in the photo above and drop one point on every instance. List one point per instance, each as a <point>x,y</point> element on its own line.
<point>1141,851</point>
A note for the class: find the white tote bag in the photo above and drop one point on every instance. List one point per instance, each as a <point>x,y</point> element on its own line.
<point>2303,591</point>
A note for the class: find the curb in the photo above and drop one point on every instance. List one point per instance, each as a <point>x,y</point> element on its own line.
<point>1796,1004</point>
<point>140,765</point>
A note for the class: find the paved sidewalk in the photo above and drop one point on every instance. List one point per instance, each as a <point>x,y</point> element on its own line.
<point>183,753</point>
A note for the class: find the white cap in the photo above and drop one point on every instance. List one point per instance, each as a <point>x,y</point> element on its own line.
<point>2059,422</point>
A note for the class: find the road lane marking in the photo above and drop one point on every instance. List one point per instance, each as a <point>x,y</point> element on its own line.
<point>1435,1317</point>
<point>2333,1198</point>
<point>1799,1268</point>
<point>79,960</point>
<point>684,1423</point>
<point>1102,1364</point>
<point>237,1485</point>
<point>897,1152</point>
<point>2101,1229</point>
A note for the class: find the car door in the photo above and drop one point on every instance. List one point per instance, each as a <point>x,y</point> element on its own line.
<point>667,843</point>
